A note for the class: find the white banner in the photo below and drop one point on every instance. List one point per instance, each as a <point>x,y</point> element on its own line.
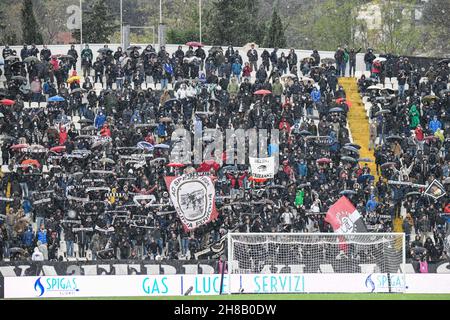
<point>262,168</point>
<point>192,196</point>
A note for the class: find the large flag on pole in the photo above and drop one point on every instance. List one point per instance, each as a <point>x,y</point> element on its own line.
<point>344,218</point>
<point>193,197</point>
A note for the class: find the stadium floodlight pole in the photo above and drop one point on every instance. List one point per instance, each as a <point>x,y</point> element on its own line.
<point>160,12</point>
<point>81,27</point>
<point>121,23</point>
<point>200,18</point>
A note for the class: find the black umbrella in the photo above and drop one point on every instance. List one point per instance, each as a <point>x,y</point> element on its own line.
<point>85,120</point>
<point>336,110</point>
<point>382,112</point>
<point>349,159</point>
<point>414,193</point>
<point>444,61</point>
<point>328,61</point>
<point>350,148</point>
<point>388,164</point>
<point>66,56</point>
<point>17,63</point>
<point>78,90</point>
<point>305,133</point>
<point>354,145</point>
<point>134,47</point>
<point>348,192</point>
<point>394,137</point>
<point>19,78</point>
<point>103,50</point>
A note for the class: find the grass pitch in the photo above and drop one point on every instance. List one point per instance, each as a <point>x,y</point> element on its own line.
<point>268,297</point>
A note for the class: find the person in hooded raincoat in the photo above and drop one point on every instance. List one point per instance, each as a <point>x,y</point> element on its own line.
<point>414,117</point>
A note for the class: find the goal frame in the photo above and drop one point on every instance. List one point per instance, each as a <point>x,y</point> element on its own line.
<point>317,234</point>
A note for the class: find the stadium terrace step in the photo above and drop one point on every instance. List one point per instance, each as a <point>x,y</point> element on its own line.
<point>358,121</point>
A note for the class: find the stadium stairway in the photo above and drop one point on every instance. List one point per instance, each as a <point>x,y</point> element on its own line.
<point>359,128</point>
<point>358,121</point>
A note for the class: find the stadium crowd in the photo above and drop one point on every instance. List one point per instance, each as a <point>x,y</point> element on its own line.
<point>77,150</point>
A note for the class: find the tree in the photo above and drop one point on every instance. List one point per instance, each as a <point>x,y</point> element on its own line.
<point>98,24</point>
<point>30,28</point>
<point>399,33</point>
<point>275,33</point>
<point>233,22</point>
<point>435,17</point>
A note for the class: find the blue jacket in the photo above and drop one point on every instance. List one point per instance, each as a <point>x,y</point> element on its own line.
<point>100,119</point>
<point>26,205</point>
<point>302,169</point>
<point>27,237</point>
<point>237,68</point>
<point>136,117</point>
<point>42,236</point>
<point>371,204</point>
<point>315,95</point>
<point>161,129</point>
<point>434,125</point>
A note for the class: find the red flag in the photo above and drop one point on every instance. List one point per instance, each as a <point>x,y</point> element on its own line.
<point>344,218</point>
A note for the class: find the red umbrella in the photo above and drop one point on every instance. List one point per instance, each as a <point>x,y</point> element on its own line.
<point>339,100</point>
<point>31,162</point>
<point>262,92</point>
<point>194,44</point>
<point>176,165</point>
<point>207,165</point>
<point>7,102</point>
<point>257,180</point>
<point>58,149</point>
<point>323,160</point>
<point>430,138</point>
<point>19,146</point>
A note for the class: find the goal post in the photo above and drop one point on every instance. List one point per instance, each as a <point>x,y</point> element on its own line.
<point>379,258</point>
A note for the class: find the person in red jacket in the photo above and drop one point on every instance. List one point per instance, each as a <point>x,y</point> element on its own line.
<point>62,135</point>
<point>247,71</point>
<point>419,136</point>
<point>105,131</point>
<point>285,126</point>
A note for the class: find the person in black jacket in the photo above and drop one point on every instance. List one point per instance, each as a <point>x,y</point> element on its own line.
<point>292,59</point>
<point>33,51</point>
<point>252,55</point>
<point>368,59</point>
<point>274,57</point>
<point>316,57</point>
<point>74,54</point>
<point>200,53</point>
<point>352,59</point>
<point>45,54</point>
<point>24,53</point>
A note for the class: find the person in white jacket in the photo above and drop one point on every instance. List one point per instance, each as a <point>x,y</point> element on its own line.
<point>37,255</point>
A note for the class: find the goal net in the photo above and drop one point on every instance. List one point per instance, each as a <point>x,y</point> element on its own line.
<point>316,253</point>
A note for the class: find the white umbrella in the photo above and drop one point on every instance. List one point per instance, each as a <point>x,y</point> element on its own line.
<point>248,46</point>
<point>306,80</point>
<point>380,59</point>
<point>374,88</point>
<point>288,75</point>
